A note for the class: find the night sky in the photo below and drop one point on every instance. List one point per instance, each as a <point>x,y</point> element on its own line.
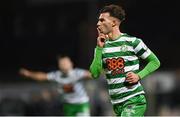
<point>33,33</point>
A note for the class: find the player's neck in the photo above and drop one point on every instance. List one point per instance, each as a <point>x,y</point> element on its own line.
<point>66,71</point>
<point>115,34</point>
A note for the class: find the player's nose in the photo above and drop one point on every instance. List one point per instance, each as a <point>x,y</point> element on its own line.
<point>98,24</point>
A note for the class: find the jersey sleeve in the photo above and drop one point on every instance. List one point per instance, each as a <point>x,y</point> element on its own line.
<point>51,76</point>
<point>140,49</point>
<point>153,64</point>
<point>96,65</point>
<point>80,73</point>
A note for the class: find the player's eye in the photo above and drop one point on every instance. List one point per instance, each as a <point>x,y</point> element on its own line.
<point>101,20</point>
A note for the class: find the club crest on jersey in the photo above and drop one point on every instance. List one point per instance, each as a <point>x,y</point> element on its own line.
<point>123,48</point>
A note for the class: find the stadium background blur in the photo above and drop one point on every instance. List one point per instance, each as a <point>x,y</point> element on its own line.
<point>33,32</point>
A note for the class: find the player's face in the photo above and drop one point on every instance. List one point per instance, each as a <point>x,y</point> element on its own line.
<point>65,64</point>
<point>105,23</point>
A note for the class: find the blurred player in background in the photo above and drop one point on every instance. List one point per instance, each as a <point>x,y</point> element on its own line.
<point>118,54</point>
<point>70,84</point>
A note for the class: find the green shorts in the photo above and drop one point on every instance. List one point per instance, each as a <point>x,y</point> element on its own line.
<point>135,106</point>
<point>76,109</point>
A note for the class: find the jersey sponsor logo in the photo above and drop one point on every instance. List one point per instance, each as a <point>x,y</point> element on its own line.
<point>68,88</point>
<point>115,65</point>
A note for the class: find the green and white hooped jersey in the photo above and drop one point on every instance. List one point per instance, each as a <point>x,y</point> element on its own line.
<point>70,85</point>
<point>119,57</point>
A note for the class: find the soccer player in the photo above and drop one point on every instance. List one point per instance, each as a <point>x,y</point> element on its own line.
<point>70,84</point>
<point>118,55</point>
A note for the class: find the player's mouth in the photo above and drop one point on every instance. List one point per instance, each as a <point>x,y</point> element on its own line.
<point>100,30</point>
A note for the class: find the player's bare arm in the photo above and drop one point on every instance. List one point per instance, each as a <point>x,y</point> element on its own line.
<point>40,76</point>
<point>87,75</point>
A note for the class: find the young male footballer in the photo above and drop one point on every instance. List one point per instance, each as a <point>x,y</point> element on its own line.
<point>118,55</point>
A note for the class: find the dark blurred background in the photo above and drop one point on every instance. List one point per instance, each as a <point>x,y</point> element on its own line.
<point>34,32</point>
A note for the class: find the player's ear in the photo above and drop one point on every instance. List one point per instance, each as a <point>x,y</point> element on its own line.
<point>113,23</point>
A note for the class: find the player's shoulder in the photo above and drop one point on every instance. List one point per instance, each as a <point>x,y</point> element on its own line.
<point>57,72</point>
<point>78,69</point>
<point>130,38</point>
<point>53,75</point>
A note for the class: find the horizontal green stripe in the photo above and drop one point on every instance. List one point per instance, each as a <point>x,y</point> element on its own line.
<point>122,95</point>
<point>115,86</point>
<point>130,63</point>
<point>115,54</point>
<point>136,43</point>
<point>141,52</point>
<point>117,44</point>
<point>109,76</point>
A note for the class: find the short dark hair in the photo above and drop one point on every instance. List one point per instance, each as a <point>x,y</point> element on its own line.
<point>62,56</point>
<point>114,11</point>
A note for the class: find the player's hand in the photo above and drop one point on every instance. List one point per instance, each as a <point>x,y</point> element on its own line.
<point>24,72</point>
<point>101,38</point>
<point>132,78</point>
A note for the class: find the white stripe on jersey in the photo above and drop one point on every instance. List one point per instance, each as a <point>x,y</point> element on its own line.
<point>117,49</point>
<point>123,89</point>
<point>139,47</point>
<point>116,80</point>
<point>146,54</point>
<point>125,98</point>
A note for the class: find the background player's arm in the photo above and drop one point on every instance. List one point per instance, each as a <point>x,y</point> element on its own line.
<point>87,74</point>
<point>40,76</point>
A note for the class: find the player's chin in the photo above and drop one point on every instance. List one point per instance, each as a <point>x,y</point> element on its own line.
<point>106,31</point>
<point>100,29</point>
